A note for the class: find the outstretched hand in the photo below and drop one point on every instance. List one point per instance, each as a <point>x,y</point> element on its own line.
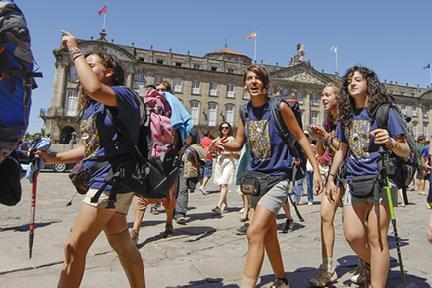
<point>318,184</point>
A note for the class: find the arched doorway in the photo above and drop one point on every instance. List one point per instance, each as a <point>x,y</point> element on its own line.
<point>66,134</point>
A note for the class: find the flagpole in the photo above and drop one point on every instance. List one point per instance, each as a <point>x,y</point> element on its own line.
<point>430,74</point>
<point>255,46</point>
<point>336,54</point>
<point>104,21</point>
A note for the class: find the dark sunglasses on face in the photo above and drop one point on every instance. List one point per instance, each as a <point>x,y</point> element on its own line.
<point>224,127</point>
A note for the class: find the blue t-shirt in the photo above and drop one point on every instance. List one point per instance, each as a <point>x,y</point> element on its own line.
<point>101,139</point>
<point>425,151</point>
<point>360,161</point>
<point>180,117</point>
<point>268,153</point>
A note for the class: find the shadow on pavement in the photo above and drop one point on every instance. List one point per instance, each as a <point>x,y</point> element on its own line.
<point>206,283</point>
<point>200,231</point>
<point>392,242</point>
<point>25,227</point>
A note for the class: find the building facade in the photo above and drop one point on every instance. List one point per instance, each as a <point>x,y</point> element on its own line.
<point>211,87</point>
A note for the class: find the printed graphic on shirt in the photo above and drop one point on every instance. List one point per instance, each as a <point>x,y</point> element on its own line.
<point>259,139</point>
<point>90,135</point>
<point>359,138</point>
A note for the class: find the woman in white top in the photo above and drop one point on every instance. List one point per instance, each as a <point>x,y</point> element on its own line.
<point>224,168</point>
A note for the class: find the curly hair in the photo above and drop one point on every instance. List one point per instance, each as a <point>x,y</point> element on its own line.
<point>376,94</point>
<point>117,78</point>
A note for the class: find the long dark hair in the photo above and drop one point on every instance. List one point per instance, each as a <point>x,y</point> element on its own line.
<point>117,78</point>
<point>376,94</point>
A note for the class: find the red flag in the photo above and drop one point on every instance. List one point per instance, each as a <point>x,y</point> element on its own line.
<point>102,10</point>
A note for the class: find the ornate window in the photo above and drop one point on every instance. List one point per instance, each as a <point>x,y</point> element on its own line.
<point>229,113</point>
<point>415,130</point>
<point>73,76</point>
<point>212,114</point>
<point>315,98</point>
<point>72,102</point>
<point>196,90</point>
<point>213,89</point>
<point>194,108</point>
<point>403,108</point>
<point>230,91</point>
<point>158,78</point>
<point>414,110</point>
<point>299,96</point>
<point>314,118</point>
<point>426,130</point>
<point>178,85</point>
<point>139,81</point>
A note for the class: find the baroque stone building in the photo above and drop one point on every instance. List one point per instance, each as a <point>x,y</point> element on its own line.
<point>211,87</point>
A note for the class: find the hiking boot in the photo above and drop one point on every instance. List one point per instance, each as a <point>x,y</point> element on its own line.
<point>288,226</point>
<point>134,234</point>
<point>242,230</point>
<point>154,209</point>
<point>280,283</point>
<point>322,277</point>
<point>180,220</point>
<point>169,231</point>
<point>361,274</point>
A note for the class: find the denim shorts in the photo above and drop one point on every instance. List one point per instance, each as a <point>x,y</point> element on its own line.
<point>208,169</point>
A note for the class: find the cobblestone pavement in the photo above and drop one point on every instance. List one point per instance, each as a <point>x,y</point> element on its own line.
<point>205,252</point>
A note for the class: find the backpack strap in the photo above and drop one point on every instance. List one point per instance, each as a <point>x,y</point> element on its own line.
<point>381,114</point>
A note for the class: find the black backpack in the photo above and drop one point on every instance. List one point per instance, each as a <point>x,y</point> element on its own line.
<point>399,169</point>
<point>294,148</point>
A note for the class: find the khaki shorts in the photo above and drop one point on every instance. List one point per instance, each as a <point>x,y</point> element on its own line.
<point>273,199</point>
<point>122,203</point>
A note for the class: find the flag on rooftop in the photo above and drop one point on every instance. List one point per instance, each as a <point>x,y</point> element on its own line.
<point>102,10</point>
<point>333,49</point>
<point>251,36</point>
<point>427,66</point>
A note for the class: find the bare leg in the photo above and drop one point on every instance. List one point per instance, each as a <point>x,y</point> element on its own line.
<point>377,225</point>
<point>261,222</point>
<point>223,196</point>
<point>88,224</point>
<point>273,251</point>
<point>140,208</point>
<point>355,228</point>
<point>327,212</point>
<point>287,209</point>
<point>117,234</point>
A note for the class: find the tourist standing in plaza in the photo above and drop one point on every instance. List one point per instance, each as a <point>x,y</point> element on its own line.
<point>103,96</point>
<point>224,168</point>
<point>327,145</point>
<point>271,156</point>
<point>366,219</point>
<point>205,142</point>
<point>421,174</point>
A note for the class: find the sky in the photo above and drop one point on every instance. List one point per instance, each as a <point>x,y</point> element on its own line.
<point>391,37</point>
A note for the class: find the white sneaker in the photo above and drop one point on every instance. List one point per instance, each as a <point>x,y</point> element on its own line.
<point>310,203</point>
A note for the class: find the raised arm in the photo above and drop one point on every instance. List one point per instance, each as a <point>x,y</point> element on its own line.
<point>93,76</point>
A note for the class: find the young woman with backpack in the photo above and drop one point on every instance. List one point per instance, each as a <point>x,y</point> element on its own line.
<point>103,96</point>
<point>327,145</point>
<point>366,210</point>
<point>270,156</point>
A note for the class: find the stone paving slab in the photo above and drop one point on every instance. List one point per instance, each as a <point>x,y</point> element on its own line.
<point>204,253</point>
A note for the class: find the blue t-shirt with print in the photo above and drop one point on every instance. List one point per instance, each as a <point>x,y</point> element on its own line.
<point>268,153</point>
<point>360,161</point>
<point>100,138</point>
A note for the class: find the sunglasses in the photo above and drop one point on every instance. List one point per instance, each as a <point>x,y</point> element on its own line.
<point>224,127</point>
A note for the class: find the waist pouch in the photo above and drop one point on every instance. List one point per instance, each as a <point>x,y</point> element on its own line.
<point>81,173</point>
<point>365,186</point>
<point>257,183</point>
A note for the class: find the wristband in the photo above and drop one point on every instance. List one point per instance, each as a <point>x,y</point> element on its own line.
<point>331,174</point>
<point>74,53</point>
<point>392,144</point>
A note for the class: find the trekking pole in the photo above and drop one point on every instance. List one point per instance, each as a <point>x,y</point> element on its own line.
<point>72,198</point>
<point>32,213</point>
<point>383,154</point>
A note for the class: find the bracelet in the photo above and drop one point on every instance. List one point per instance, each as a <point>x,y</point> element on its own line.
<point>74,53</point>
<point>331,174</point>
